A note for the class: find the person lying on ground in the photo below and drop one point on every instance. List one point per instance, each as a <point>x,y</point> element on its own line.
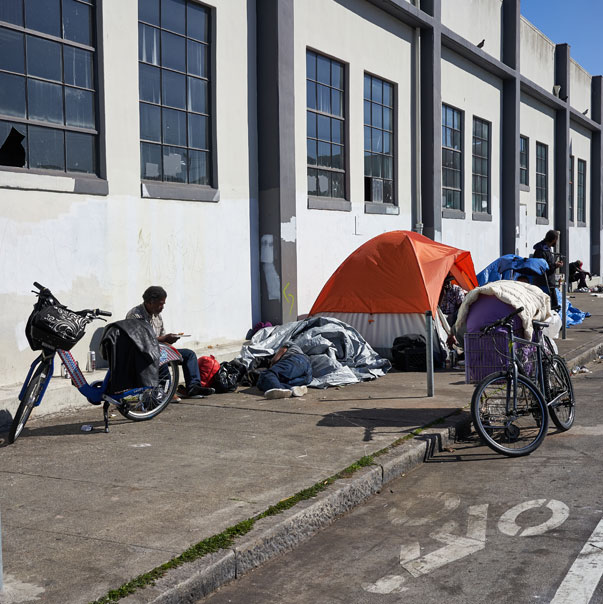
<point>578,274</point>
<point>153,302</point>
<point>289,373</point>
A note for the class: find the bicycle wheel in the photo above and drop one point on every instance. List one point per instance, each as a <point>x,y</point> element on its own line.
<point>32,394</point>
<point>558,384</point>
<point>153,401</point>
<point>512,430</point>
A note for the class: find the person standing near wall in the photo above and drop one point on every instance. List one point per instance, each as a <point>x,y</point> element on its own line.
<point>547,281</point>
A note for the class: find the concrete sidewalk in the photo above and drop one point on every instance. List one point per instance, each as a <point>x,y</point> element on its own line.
<point>85,512</point>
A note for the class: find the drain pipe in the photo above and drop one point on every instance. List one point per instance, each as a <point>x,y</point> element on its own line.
<point>418,195</point>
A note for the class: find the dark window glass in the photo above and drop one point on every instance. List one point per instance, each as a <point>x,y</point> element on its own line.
<point>79,108</point>
<point>77,24</point>
<point>480,166</point>
<point>179,87</point>
<point>12,95</point>
<point>452,158</point>
<point>150,122</point>
<point>12,52</point>
<point>43,16</point>
<point>581,206</point>
<point>57,85</point>
<point>173,15</point>
<point>44,102</point>
<point>172,51</point>
<point>11,11</point>
<point>44,59</point>
<point>78,67</point>
<point>571,188</point>
<point>542,178</point>
<point>325,126</point>
<point>46,148</point>
<point>150,161</point>
<point>524,160</point>
<point>13,144</point>
<point>148,11</point>
<point>80,152</point>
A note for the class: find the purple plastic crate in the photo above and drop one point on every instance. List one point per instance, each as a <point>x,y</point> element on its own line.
<point>486,354</point>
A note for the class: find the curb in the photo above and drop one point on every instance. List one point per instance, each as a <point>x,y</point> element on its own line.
<point>277,534</point>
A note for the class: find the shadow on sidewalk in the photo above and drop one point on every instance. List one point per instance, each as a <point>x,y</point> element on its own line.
<point>407,419</point>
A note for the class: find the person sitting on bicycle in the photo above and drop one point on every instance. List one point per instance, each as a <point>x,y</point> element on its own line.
<point>150,311</point>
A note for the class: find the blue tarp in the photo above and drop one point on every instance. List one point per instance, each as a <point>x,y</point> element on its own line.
<point>510,267</point>
<point>574,316</point>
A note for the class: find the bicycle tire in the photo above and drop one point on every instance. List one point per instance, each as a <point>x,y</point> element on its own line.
<point>557,379</point>
<point>32,394</point>
<point>513,433</point>
<point>152,402</point>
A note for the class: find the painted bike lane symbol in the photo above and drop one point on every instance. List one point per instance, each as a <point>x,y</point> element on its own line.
<point>456,546</point>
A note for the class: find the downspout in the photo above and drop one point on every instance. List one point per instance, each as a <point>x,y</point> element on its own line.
<point>418,197</point>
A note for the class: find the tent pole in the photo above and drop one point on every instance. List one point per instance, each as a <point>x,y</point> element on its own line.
<point>429,351</point>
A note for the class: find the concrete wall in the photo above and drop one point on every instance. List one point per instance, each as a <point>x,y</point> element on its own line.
<point>537,56</point>
<point>368,40</point>
<point>477,94</point>
<point>580,88</point>
<point>579,243</point>
<point>97,251</point>
<point>537,123</point>
<point>476,20</point>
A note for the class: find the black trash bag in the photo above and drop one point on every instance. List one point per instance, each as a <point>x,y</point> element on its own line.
<point>228,377</point>
<point>409,353</point>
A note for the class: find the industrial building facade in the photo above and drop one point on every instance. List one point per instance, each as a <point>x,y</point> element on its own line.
<point>236,151</point>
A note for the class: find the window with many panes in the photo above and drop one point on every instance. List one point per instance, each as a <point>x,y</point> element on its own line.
<point>174,85</point>
<point>378,140</point>
<point>542,181</point>
<point>325,87</point>
<point>571,188</point>
<point>581,205</point>
<point>452,158</point>
<point>481,166</point>
<point>524,160</point>
<point>48,85</point>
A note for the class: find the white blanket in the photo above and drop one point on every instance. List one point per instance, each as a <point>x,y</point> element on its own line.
<point>536,304</point>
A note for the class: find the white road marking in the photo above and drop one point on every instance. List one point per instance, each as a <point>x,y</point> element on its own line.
<point>508,521</point>
<point>448,502</point>
<point>586,571</point>
<point>390,584</point>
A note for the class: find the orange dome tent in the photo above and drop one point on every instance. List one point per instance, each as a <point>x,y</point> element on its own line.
<point>399,274</point>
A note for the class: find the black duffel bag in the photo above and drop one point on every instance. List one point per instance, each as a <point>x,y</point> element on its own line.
<point>55,327</point>
<point>228,376</point>
<point>409,352</point>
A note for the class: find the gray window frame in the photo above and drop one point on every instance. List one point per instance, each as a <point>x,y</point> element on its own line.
<point>85,182</point>
<point>480,177</point>
<point>581,190</point>
<point>524,163</point>
<point>571,189</point>
<point>166,189</point>
<point>458,152</point>
<point>315,200</point>
<point>542,191</point>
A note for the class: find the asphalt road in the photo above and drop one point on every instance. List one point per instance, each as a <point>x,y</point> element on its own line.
<point>469,526</point>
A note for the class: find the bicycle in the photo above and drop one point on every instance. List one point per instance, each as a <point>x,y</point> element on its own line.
<point>137,404</point>
<point>509,408</point>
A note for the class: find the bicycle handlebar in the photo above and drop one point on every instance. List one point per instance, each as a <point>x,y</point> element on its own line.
<point>504,321</point>
<point>97,312</point>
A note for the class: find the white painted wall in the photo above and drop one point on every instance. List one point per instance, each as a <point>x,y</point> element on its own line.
<point>536,121</point>
<point>537,56</point>
<point>477,94</point>
<point>579,236</point>
<point>580,88</point>
<point>103,252</point>
<point>476,20</point>
<point>367,40</point>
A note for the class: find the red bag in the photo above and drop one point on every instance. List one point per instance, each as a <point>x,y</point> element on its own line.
<point>208,367</point>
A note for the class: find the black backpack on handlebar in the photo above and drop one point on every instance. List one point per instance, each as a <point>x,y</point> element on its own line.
<point>52,325</point>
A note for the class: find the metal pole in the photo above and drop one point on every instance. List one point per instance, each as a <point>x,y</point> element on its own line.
<point>563,308</point>
<point>429,351</point>
<point>1,571</point>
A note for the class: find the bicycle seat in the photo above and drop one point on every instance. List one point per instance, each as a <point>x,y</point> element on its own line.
<point>540,324</point>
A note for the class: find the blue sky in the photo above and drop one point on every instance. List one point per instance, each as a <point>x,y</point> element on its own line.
<point>578,23</point>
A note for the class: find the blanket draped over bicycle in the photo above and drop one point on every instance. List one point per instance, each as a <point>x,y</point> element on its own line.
<point>536,304</point>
